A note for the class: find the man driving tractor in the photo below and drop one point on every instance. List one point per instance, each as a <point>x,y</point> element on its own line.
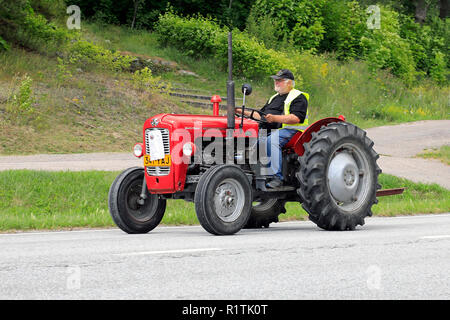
<point>286,112</point>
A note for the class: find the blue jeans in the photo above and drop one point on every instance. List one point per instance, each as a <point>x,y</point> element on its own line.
<point>274,142</point>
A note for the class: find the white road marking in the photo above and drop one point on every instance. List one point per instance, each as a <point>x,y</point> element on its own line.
<point>444,236</point>
<point>143,253</point>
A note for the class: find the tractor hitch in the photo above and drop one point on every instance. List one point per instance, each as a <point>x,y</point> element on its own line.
<point>390,192</point>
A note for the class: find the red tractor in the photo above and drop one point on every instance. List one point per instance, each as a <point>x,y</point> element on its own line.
<point>330,168</point>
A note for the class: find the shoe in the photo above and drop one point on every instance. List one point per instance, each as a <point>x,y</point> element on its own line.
<point>275,183</point>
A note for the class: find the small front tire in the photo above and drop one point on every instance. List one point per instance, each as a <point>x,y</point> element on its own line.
<point>223,200</point>
<point>126,212</point>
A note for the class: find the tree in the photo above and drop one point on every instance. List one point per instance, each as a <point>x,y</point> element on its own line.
<point>443,9</point>
<point>421,10</point>
<point>136,4</point>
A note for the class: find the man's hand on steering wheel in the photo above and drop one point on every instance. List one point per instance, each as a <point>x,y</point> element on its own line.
<point>261,114</point>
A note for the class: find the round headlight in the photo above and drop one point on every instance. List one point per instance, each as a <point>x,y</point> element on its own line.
<point>138,150</point>
<point>188,149</point>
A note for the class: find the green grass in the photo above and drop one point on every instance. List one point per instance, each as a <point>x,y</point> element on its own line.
<point>443,154</point>
<point>57,200</point>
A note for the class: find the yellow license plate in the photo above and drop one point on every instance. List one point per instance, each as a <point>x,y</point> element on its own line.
<point>166,162</point>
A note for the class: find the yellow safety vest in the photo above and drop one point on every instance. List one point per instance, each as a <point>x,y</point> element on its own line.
<point>294,93</point>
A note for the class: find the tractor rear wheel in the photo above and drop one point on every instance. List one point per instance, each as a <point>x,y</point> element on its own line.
<point>223,199</point>
<point>338,177</point>
<point>123,202</point>
<point>265,212</point>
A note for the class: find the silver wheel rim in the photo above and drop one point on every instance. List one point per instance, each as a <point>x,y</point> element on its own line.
<point>229,200</point>
<point>349,177</point>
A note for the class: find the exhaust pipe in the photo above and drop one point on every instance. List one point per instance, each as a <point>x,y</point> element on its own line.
<point>230,85</point>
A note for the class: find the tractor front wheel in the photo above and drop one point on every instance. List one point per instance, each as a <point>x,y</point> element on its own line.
<point>223,200</point>
<point>126,207</point>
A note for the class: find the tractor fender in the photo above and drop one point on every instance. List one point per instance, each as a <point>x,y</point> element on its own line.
<point>297,141</point>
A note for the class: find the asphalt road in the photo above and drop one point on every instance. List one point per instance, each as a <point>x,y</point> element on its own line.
<point>387,258</point>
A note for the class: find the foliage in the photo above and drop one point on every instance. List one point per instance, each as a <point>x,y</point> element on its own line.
<point>4,46</point>
<point>430,45</point>
<point>143,79</point>
<point>200,37</point>
<point>384,48</point>
<point>344,23</point>
<point>62,71</point>
<point>195,35</point>
<point>85,53</point>
<point>50,9</point>
<point>22,25</point>
<point>121,11</point>
<point>250,57</point>
<point>264,28</point>
<point>438,69</point>
<point>300,21</point>
<point>401,45</point>
<point>20,103</point>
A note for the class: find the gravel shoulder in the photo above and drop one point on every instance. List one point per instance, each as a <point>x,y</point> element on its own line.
<point>397,145</point>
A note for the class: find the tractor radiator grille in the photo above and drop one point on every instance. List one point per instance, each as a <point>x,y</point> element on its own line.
<point>158,171</point>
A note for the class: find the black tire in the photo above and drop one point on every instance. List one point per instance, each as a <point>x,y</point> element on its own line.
<point>264,213</point>
<point>217,186</point>
<point>338,146</point>
<point>126,213</point>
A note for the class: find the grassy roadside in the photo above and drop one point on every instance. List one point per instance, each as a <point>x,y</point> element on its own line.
<point>56,200</point>
<point>443,154</point>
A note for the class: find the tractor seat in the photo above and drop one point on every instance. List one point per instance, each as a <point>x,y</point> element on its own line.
<point>293,141</point>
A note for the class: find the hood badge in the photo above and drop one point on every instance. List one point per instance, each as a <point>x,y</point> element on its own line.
<point>154,122</point>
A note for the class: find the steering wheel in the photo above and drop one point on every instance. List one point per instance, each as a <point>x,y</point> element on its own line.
<point>261,114</point>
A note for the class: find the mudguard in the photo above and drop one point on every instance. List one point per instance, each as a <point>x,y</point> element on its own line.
<point>301,137</point>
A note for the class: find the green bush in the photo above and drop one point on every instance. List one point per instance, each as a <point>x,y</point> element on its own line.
<point>430,46</point>
<point>438,69</point>
<point>300,21</point>
<point>384,48</point>
<point>344,23</point>
<point>263,28</point>
<point>4,46</point>
<point>200,37</point>
<point>20,103</point>
<point>195,35</point>
<point>143,79</point>
<point>84,53</point>
<point>250,57</point>
<point>20,24</point>
<point>50,9</point>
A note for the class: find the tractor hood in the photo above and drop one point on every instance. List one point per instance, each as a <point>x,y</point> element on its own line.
<point>202,122</point>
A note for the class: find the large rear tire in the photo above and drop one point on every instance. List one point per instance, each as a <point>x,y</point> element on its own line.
<point>223,199</point>
<point>126,212</point>
<point>265,212</point>
<point>338,177</point>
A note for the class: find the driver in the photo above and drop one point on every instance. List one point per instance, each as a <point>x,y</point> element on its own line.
<point>286,113</point>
